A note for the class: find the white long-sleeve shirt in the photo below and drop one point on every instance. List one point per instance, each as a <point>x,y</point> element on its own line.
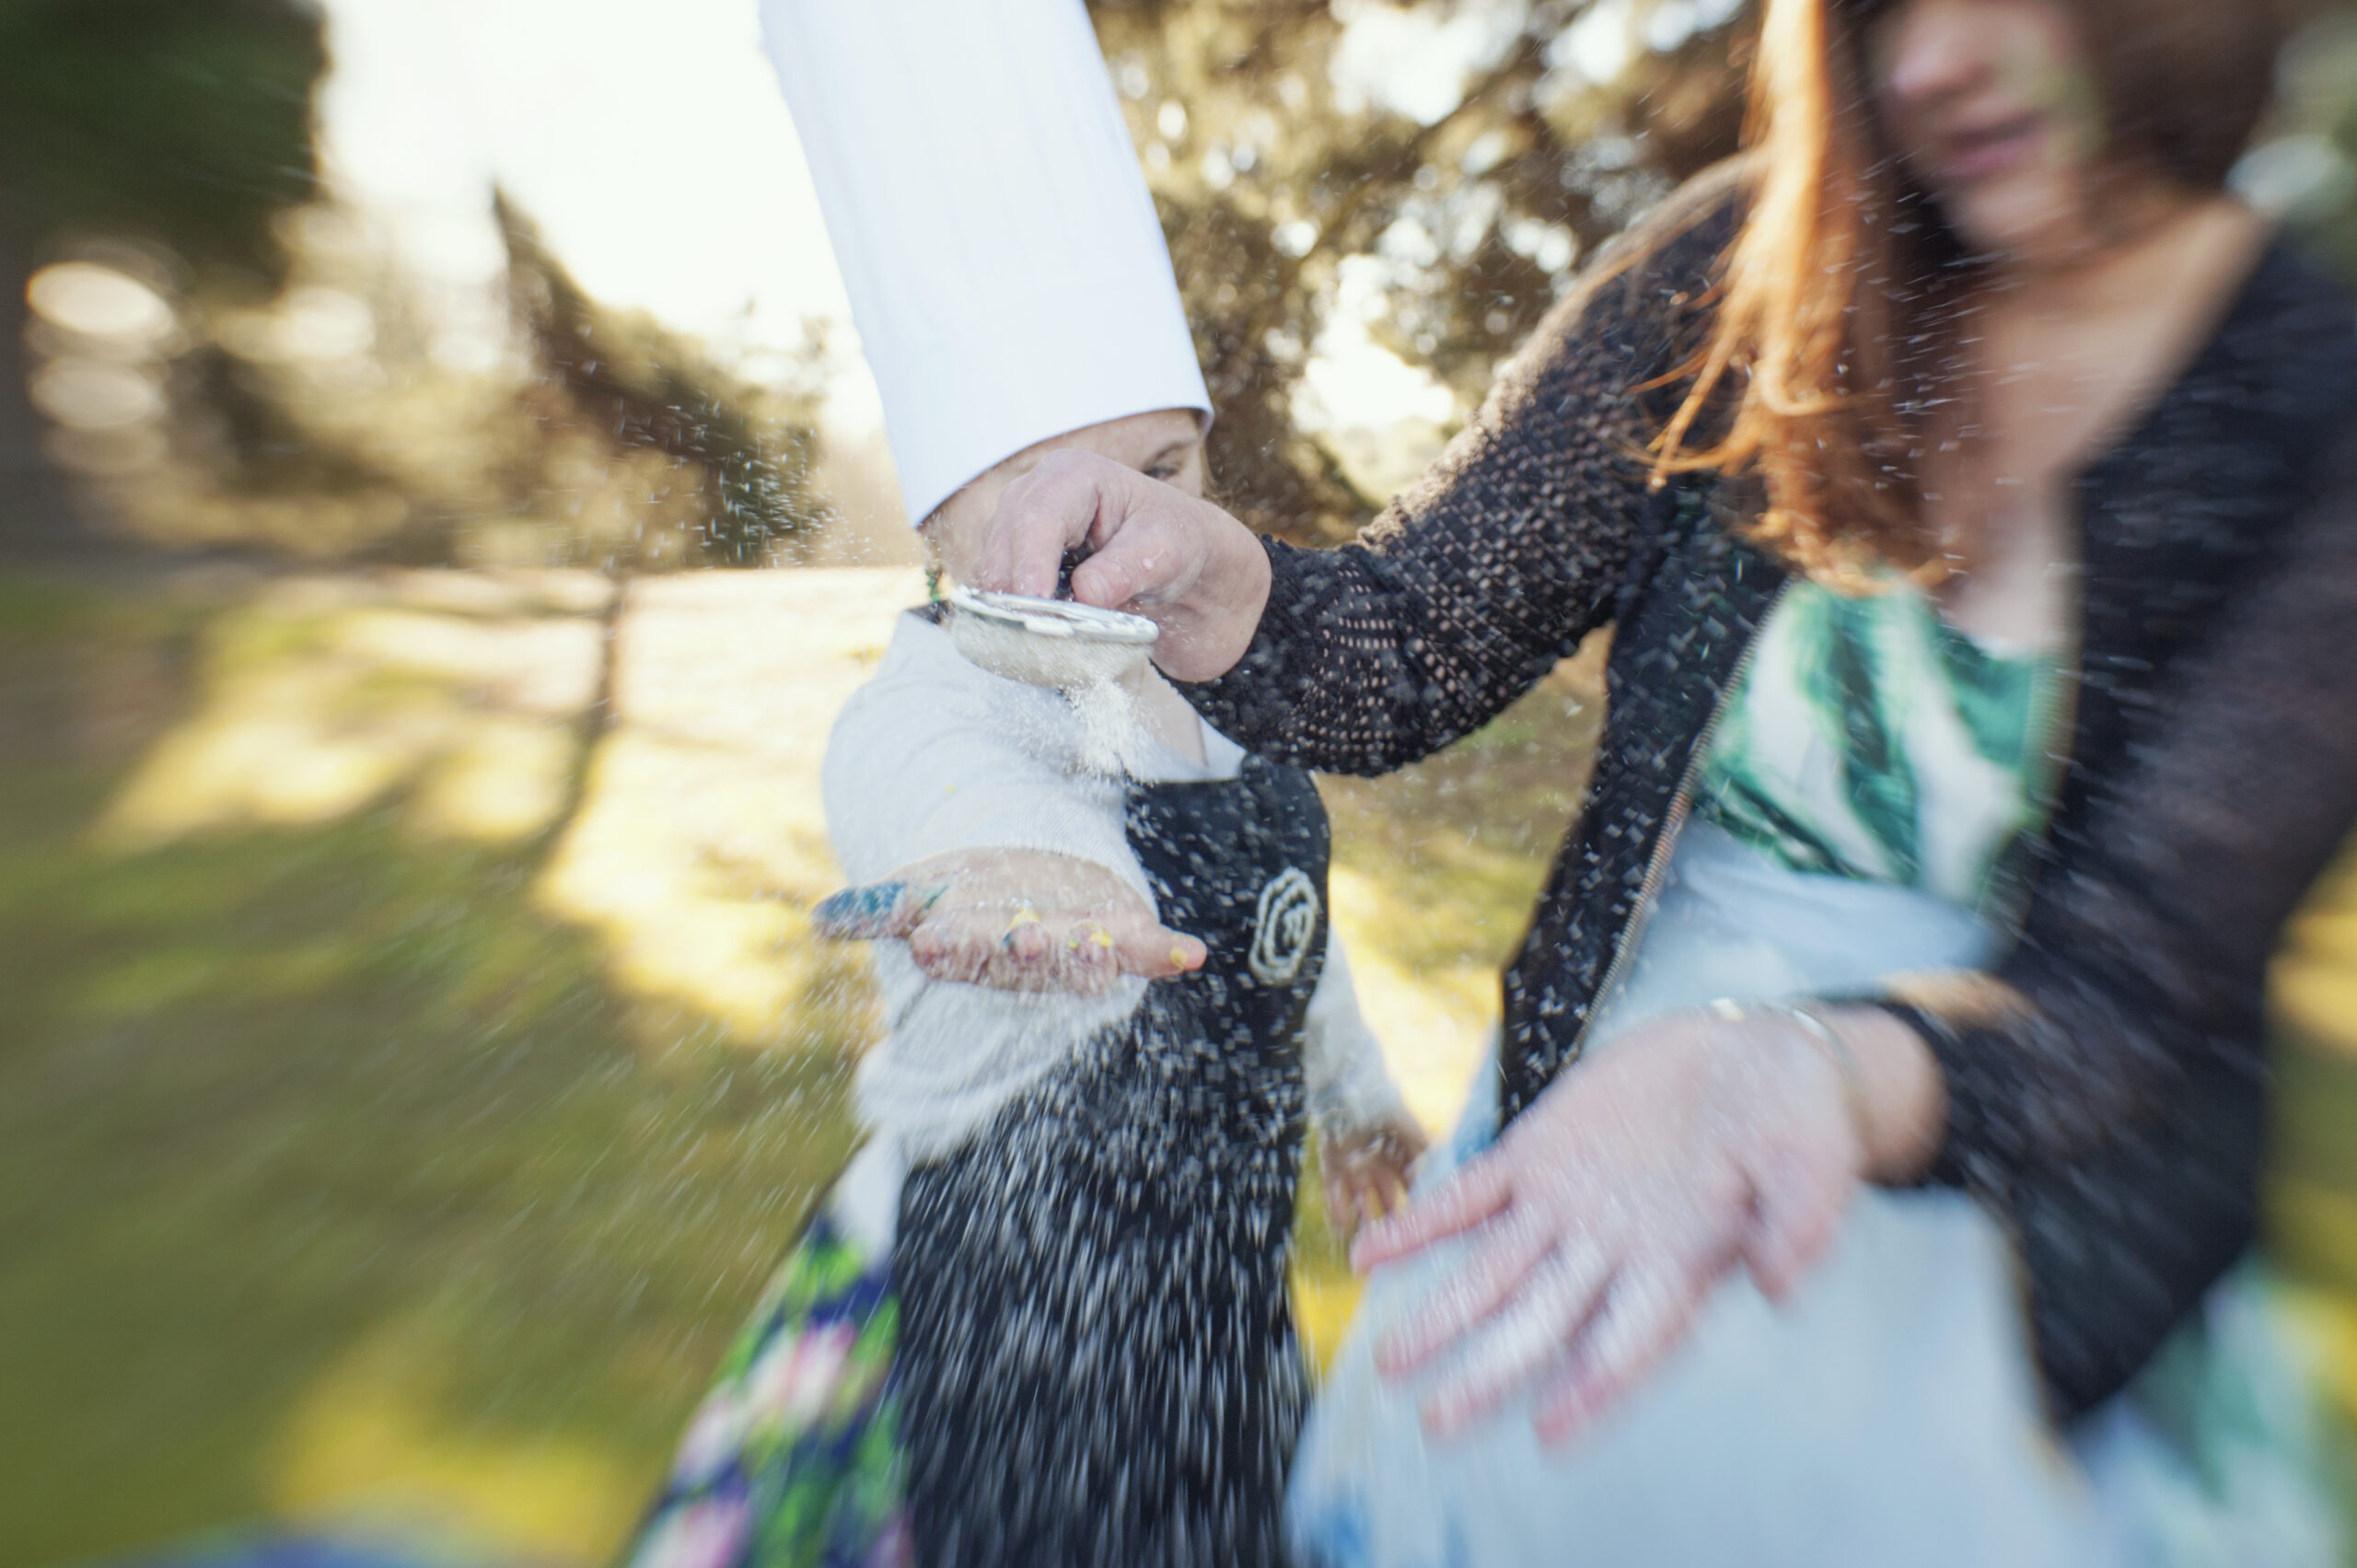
<point>934,754</point>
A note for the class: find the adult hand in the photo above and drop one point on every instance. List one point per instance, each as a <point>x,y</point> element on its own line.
<point>1014,919</point>
<point>1155,551</point>
<point>1606,1214</point>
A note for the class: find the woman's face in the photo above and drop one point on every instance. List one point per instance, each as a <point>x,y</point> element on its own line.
<point>1994,109</point>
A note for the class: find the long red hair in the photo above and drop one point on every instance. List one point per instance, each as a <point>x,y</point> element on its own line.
<point>1838,298</point>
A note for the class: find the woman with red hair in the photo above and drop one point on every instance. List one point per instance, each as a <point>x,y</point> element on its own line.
<point>1967,479</point>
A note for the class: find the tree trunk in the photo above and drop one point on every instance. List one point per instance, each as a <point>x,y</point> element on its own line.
<point>38,506</point>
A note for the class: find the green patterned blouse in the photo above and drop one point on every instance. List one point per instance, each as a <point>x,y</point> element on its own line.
<point>1867,737</point>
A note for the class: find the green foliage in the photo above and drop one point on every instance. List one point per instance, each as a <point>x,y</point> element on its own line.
<point>173,139</point>
<point>2316,102</point>
<point>186,123</point>
<point>1267,181</point>
<point>650,390</point>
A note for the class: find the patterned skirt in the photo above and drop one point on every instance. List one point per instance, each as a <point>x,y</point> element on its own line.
<point>794,1459</point>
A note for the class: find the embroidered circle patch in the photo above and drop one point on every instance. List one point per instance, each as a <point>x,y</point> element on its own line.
<point>1282,934</point>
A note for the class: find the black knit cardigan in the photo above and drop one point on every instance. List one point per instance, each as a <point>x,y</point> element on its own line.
<point>2106,1082</point>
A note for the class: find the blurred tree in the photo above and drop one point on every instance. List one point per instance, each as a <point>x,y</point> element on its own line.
<point>2305,166</point>
<point>185,124</point>
<point>38,508</point>
<point>322,421</point>
<point>744,454</point>
<point>1437,170</point>
<point>304,407</point>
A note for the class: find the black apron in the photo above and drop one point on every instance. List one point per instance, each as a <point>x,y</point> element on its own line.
<point>1096,1361</point>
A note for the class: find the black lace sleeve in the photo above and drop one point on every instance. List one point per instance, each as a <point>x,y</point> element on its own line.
<point>1502,557</point>
<point>2106,1084</point>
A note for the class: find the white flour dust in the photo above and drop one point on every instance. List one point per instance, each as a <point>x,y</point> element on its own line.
<point>1113,739</point>
<point>1095,657</point>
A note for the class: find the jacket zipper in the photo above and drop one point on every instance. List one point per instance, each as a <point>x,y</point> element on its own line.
<point>1682,804</point>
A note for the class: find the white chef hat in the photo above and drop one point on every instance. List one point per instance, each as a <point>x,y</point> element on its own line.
<point>1006,269</point>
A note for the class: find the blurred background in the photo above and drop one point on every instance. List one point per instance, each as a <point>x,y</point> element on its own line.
<point>442,506</point>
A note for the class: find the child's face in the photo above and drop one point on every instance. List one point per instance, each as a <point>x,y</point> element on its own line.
<point>1167,444</point>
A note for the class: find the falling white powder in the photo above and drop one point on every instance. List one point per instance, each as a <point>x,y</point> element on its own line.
<point>1093,656</point>
<point>1113,739</point>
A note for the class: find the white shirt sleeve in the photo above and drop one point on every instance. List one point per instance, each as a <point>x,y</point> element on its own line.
<point>1348,1086</point>
<point>933,755</point>
<point>1006,270</point>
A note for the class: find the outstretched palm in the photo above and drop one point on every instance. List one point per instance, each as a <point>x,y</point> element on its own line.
<point>1014,919</point>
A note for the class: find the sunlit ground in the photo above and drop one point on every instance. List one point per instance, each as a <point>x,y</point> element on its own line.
<point>416,1056</point>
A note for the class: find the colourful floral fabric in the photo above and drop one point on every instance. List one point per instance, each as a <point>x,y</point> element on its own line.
<point>793,1460</point>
